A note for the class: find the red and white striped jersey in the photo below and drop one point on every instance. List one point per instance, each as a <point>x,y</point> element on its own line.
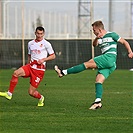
<point>38,50</point>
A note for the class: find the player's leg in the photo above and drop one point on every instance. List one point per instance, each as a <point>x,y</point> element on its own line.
<point>76,69</point>
<point>35,79</point>
<point>98,92</point>
<point>13,82</point>
<point>106,65</point>
<point>34,93</point>
<point>100,78</point>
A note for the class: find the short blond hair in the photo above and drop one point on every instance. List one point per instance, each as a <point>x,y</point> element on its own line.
<point>98,24</point>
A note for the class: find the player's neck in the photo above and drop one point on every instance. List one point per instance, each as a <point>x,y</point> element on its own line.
<point>37,40</point>
<point>104,33</point>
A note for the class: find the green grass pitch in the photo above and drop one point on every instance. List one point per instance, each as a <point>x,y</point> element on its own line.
<point>67,101</point>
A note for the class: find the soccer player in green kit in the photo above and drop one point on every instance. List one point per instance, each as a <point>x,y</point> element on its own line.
<point>105,63</point>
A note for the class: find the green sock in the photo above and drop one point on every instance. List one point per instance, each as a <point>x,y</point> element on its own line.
<point>99,90</point>
<point>76,69</point>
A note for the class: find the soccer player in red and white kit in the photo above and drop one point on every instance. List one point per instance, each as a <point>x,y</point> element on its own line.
<point>39,52</point>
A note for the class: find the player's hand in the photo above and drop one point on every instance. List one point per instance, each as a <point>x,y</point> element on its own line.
<point>130,55</point>
<point>40,61</point>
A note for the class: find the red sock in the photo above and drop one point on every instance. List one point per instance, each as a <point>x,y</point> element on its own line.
<point>13,83</point>
<point>37,95</point>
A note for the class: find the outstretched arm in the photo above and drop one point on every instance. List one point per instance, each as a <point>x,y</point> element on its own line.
<point>126,44</point>
<point>50,57</point>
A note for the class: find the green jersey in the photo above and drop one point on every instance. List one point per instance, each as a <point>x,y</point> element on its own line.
<point>108,44</point>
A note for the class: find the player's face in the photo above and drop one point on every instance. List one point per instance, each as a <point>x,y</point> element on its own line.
<point>39,35</point>
<point>97,31</point>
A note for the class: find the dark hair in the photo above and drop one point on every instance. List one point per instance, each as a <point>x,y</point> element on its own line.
<point>40,28</point>
<point>98,24</point>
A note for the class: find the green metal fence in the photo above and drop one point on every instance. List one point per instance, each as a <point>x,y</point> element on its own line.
<point>68,53</point>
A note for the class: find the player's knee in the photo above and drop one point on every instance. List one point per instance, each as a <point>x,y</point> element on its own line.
<point>90,64</point>
<point>15,73</point>
<point>100,79</point>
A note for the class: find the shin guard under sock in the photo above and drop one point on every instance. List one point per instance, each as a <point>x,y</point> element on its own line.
<point>76,69</point>
<point>37,95</point>
<point>13,83</point>
<point>99,90</point>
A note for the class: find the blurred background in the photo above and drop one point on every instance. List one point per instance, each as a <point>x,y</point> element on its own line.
<point>67,25</point>
<point>64,19</point>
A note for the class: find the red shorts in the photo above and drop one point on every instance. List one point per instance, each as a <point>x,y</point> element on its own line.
<point>36,76</point>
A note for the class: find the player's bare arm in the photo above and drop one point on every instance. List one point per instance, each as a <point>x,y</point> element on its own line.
<point>126,44</point>
<point>50,57</point>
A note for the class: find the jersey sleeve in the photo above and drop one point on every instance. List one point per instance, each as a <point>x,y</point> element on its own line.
<point>49,48</point>
<point>115,37</point>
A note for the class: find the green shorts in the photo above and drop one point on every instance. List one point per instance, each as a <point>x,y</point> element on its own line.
<point>106,64</point>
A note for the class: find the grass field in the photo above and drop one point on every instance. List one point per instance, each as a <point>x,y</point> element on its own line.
<point>66,105</point>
